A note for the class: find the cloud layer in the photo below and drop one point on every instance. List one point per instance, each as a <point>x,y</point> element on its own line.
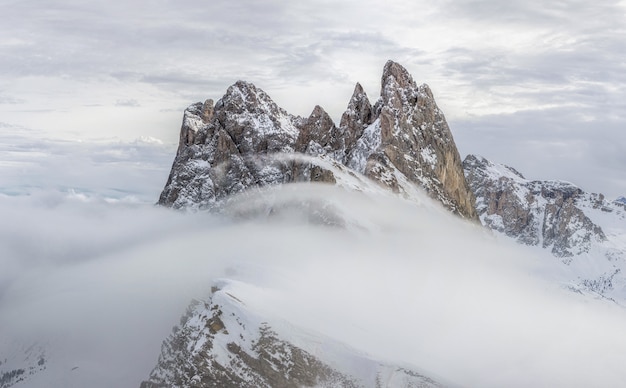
<point>102,284</point>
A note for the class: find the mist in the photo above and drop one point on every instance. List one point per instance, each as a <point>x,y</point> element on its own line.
<point>100,284</point>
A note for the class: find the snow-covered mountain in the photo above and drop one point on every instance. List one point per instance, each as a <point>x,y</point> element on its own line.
<point>223,342</point>
<point>246,141</point>
<point>585,231</point>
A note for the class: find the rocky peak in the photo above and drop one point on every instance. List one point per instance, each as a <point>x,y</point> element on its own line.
<point>358,116</point>
<point>403,140</point>
<point>359,113</point>
<point>395,76</point>
<point>415,138</point>
<point>319,128</point>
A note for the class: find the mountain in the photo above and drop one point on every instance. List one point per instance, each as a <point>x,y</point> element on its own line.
<point>585,231</point>
<point>245,141</point>
<point>221,342</point>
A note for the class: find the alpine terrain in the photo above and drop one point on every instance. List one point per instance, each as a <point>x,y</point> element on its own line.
<point>245,142</point>
<point>359,254</point>
<point>585,231</point>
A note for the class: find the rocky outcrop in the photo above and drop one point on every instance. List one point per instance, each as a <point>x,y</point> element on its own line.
<point>246,141</point>
<point>585,231</point>
<point>222,343</point>
<point>551,214</point>
<point>416,141</point>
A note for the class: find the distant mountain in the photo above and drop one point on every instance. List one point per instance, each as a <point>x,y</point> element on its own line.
<point>246,141</point>
<point>575,226</point>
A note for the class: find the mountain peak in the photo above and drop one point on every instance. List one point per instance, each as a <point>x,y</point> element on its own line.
<point>401,141</point>
<point>395,75</point>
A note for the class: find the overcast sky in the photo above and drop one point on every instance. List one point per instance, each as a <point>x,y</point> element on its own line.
<point>537,85</point>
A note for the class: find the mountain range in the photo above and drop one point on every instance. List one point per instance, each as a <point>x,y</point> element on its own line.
<point>402,141</point>
<point>237,154</point>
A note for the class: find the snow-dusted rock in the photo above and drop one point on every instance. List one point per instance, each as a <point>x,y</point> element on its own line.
<point>415,140</point>
<point>224,343</point>
<point>245,140</point>
<point>585,231</point>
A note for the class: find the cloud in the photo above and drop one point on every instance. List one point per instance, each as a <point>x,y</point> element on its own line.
<point>135,170</point>
<point>543,144</point>
<point>131,103</point>
<point>436,294</point>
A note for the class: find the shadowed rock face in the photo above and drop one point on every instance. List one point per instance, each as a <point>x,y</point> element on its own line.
<point>241,142</point>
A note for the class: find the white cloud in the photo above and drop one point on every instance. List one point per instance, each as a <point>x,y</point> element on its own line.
<point>104,283</point>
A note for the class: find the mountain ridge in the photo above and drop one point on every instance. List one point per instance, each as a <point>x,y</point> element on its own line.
<point>229,147</point>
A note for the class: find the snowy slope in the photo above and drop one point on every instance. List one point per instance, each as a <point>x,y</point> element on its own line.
<point>231,344</point>
<point>584,230</point>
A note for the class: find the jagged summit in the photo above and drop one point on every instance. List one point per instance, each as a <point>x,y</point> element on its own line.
<point>401,140</point>
<point>395,76</point>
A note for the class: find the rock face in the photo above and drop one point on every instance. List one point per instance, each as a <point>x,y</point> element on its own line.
<point>586,231</point>
<point>545,213</point>
<point>245,141</point>
<point>222,343</point>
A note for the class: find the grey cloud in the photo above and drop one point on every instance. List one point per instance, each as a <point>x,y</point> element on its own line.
<point>10,100</point>
<point>551,144</point>
<point>132,103</point>
<point>534,12</point>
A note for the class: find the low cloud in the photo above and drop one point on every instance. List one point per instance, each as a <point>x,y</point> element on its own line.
<point>103,284</point>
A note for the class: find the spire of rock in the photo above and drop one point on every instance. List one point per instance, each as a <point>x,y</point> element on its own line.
<point>357,116</point>
<point>395,76</point>
<point>416,140</point>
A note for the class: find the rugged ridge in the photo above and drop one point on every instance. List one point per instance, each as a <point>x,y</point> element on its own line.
<point>246,141</point>
<point>585,231</point>
<point>224,343</point>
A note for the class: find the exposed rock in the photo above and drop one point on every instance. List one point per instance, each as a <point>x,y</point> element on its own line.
<point>545,213</point>
<point>415,138</point>
<point>242,143</point>
<point>585,231</point>
<point>221,343</point>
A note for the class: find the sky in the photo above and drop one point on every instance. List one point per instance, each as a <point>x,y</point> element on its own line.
<point>536,85</point>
